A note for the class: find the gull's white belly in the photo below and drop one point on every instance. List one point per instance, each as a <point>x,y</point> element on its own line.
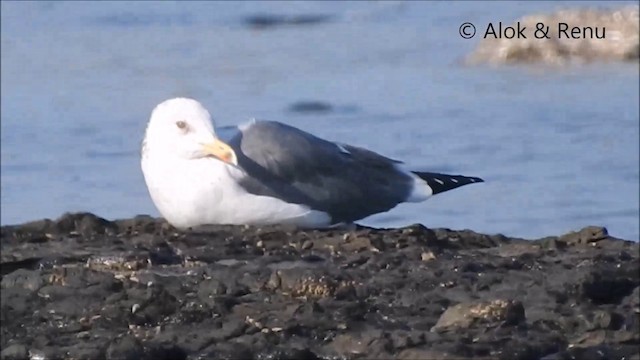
<point>204,191</point>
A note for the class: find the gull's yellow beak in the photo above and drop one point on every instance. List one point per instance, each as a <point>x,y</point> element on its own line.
<point>221,150</point>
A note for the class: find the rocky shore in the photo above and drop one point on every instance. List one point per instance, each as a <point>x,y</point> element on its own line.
<point>570,38</point>
<point>83,287</point>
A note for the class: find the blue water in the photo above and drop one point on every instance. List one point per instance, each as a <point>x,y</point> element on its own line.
<point>558,148</point>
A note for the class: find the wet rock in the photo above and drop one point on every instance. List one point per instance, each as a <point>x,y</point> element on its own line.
<point>138,288</point>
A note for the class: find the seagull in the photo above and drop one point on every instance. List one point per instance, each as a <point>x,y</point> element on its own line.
<point>269,173</point>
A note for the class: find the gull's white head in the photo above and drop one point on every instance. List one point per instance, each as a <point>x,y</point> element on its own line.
<point>183,128</point>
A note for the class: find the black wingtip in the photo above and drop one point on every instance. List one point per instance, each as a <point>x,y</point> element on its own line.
<point>443,182</point>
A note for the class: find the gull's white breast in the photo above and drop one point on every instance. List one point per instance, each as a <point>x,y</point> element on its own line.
<point>191,192</point>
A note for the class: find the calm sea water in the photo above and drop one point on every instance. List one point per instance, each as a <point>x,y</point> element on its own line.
<point>558,148</point>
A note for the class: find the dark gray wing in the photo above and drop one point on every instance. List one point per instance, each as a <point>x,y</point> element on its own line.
<point>347,182</point>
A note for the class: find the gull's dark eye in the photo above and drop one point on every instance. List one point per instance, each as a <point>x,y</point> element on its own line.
<point>181,125</point>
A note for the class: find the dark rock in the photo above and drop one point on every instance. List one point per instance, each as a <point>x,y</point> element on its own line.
<point>141,224</point>
<point>84,224</point>
<point>585,236</point>
<point>465,239</point>
<point>208,289</point>
<point>156,304</point>
<point>26,279</point>
<point>599,352</point>
<point>125,348</point>
<point>228,351</point>
<point>14,352</point>
<point>609,284</point>
<point>552,243</point>
<point>292,354</point>
<point>421,354</point>
<point>85,287</point>
<point>166,352</point>
<point>603,319</point>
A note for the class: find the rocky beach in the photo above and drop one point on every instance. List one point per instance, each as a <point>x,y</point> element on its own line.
<point>83,287</point>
